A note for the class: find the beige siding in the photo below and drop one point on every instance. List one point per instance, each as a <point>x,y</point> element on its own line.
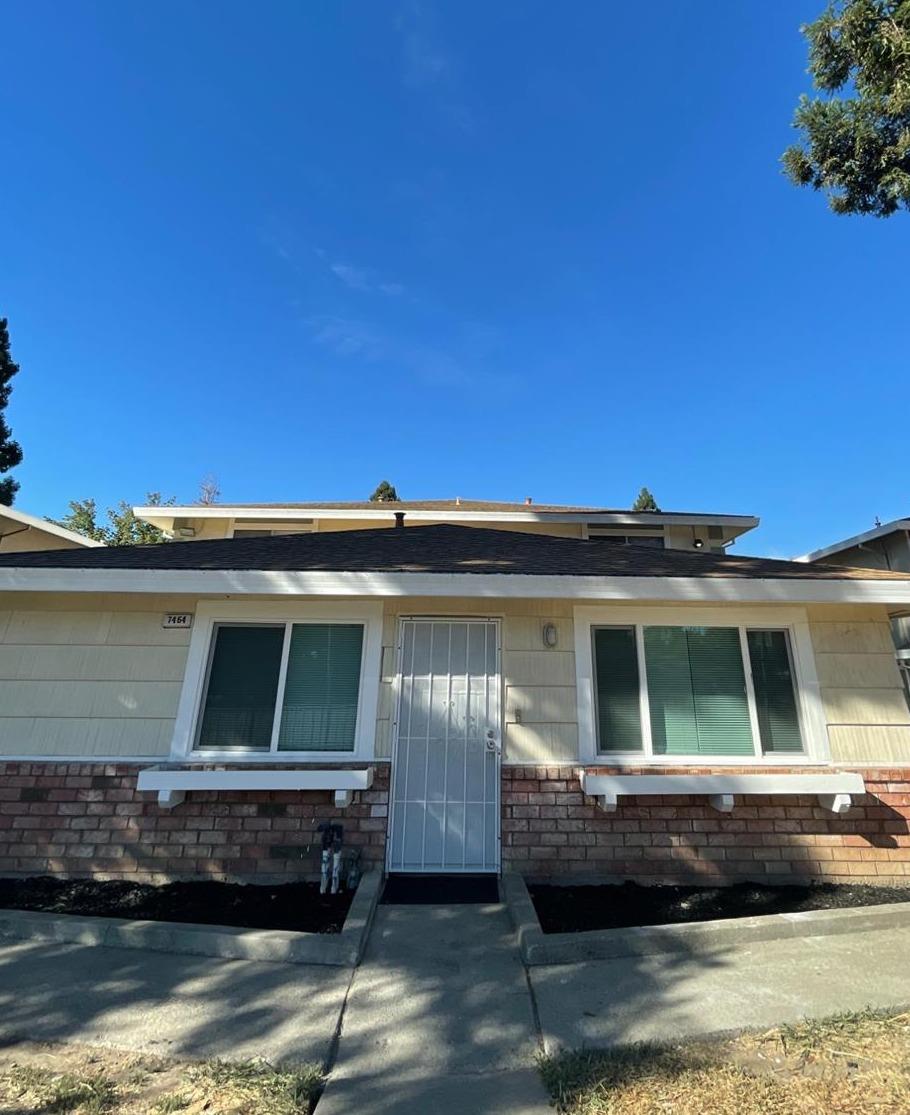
<point>538,682</point>
<point>865,707</point>
<point>89,676</point>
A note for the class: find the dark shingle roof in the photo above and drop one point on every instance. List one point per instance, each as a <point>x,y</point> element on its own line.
<point>433,549</point>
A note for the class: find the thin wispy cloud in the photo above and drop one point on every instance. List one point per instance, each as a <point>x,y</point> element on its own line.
<point>428,65</point>
<point>361,279</point>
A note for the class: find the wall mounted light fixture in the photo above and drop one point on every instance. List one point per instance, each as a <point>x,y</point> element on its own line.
<point>550,634</point>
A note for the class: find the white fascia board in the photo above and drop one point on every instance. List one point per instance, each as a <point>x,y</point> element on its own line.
<point>203,582</point>
<point>48,527</point>
<point>166,515</point>
<point>857,540</point>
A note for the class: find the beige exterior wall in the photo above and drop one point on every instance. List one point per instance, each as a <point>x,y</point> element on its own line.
<point>864,702</point>
<point>92,676</point>
<point>98,675</point>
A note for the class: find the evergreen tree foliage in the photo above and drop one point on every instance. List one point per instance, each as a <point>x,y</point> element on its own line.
<point>855,138</point>
<point>10,450</point>
<point>645,502</point>
<point>122,528</point>
<point>385,493</point>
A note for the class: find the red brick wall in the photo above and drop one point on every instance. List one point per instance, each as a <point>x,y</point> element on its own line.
<point>81,819</point>
<point>550,826</point>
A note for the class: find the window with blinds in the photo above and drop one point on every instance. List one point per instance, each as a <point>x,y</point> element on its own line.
<point>697,691</point>
<point>321,665</point>
<point>239,707</point>
<point>695,679</point>
<point>617,689</point>
<point>319,712</point>
<point>775,695</point>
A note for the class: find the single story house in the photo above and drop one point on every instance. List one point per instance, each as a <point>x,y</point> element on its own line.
<point>459,699</point>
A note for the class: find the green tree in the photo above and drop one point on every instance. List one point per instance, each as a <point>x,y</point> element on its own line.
<point>10,451</point>
<point>385,493</point>
<point>855,138</point>
<point>645,502</point>
<point>122,528</point>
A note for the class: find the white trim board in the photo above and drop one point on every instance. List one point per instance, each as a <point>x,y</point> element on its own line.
<point>34,523</point>
<point>227,582</point>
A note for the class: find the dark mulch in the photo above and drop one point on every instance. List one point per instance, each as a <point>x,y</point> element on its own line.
<point>574,909</point>
<point>297,906</point>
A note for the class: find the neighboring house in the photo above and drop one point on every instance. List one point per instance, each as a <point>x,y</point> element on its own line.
<point>886,546</point>
<point>672,529</point>
<point>460,699</point>
<point>21,532</point>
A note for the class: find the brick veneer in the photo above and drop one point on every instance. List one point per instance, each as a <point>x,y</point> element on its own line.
<point>88,819</point>
<point>81,819</point>
<point>549,826</point>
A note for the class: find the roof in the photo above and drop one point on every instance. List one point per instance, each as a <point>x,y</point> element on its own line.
<point>460,505</point>
<point>32,522</point>
<point>436,549</point>
<point>856,540</point>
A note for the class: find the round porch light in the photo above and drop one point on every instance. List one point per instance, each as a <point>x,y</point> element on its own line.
<point>550,634</point>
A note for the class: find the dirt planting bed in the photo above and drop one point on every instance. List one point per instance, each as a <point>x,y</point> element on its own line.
<point>575,909</point>
<point>296,906</point>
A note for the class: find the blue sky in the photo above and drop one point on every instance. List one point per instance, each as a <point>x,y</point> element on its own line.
<point>488,250</point>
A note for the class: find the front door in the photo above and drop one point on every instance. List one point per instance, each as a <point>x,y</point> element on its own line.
<point>445,765</point>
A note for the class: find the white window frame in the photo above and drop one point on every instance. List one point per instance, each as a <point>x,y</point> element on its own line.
<point>812,722</point>
<point>211,613</point>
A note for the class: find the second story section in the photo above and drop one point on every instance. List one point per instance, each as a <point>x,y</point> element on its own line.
<point>678,530</point>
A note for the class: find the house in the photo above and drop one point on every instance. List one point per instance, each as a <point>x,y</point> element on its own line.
<point>673,529</point>
<point>21,532</point>
<point>886,546</point>
<point>460,698</point>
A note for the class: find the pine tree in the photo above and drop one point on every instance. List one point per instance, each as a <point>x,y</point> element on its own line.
<point>645,502</point>
<point>10,451</point>
<point>855,138</point>
<point>385,493</point>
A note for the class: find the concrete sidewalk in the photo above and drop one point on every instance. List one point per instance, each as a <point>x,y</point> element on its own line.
<point>678,995</point>
<point>180,1006</point>
<point>439,1019</point>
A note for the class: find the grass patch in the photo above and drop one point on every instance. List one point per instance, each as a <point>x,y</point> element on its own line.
<point>852,1064</point>
<point>46,1079</point>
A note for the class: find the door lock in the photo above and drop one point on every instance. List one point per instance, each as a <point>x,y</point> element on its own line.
<point>492,744</point>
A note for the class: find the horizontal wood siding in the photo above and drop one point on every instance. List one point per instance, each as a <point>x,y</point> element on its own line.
<point>865,706</point>
<point>82,677</point>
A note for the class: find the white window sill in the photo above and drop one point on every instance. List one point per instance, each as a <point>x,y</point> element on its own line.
<point>173,782</point>
<point>833,790</point>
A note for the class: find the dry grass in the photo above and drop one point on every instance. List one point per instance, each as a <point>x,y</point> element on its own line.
<point>48,1078</point>
<point>853,1064</point>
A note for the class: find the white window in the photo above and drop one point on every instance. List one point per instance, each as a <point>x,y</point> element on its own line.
<point>670,685</point>
<point>275,681</point>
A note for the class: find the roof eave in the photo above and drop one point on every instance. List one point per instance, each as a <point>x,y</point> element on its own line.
<point>717,589</point>
<point>893,527</point>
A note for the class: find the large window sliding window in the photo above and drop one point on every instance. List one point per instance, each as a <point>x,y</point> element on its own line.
<point>690,691</point>
<point>273,687</point>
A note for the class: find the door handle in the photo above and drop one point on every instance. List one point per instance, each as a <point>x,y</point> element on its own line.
<point>492,743</point>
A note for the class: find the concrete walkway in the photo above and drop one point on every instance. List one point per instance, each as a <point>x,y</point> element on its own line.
<point>180,1006</point>
<point>676,995</point>
<point>439,1019</point>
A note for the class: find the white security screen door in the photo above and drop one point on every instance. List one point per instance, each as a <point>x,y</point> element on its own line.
<point>445,768</point>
